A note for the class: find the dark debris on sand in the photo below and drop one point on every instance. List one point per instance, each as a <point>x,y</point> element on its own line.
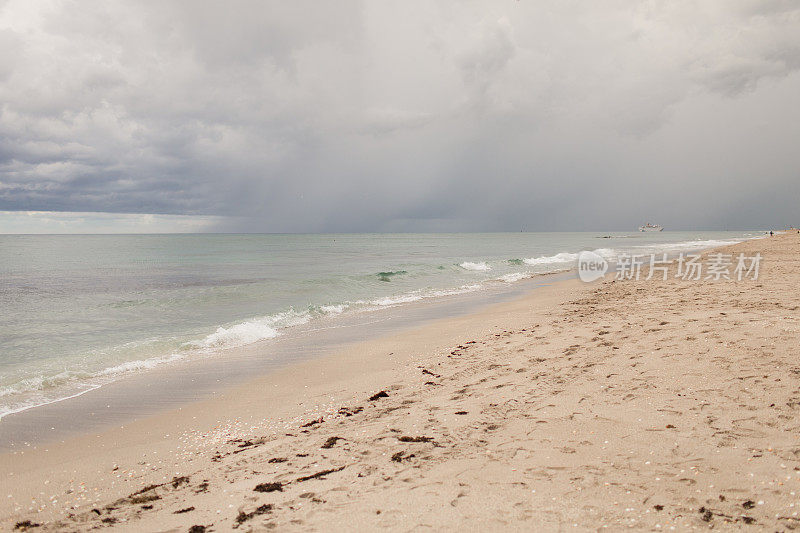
<point>331,442</point>
<point>147,488</point>
<point>147,494</point>
<point>320,474</point>
<point>314,422</point>
<point>25,525</point>
<point>378,395</point>
<point>269,487</point>
<point>244,517</point>
<point>178,481</point>
<point>401,456</point>
<point>144,498</point>
<point>415,439</point>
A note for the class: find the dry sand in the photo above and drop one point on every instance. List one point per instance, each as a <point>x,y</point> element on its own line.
<point>654,405</point>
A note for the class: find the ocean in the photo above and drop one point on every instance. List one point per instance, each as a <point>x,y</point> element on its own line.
<point>81,311</point>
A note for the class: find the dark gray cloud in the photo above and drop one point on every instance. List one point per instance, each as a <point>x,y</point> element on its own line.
<point>420,116</point>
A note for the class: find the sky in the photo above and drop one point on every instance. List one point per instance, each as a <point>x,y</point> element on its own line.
<point>384,116</point>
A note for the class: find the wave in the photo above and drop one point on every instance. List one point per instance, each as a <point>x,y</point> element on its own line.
<point>256,329</point>
<point>43,382</point>
<point>39,402</point>
<point>415,296</point>
<point>143,364</point>
<point>37,391</point>
<point>480,267</point>
<point>395,300</point>
<point>566,257</point>
<point>387,276</point>
<point>237,335</point>
<point>333,309</point>
<point>563,257</point>
<point>514,277</point>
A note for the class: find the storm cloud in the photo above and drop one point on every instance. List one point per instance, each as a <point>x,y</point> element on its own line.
<point>404,116</point>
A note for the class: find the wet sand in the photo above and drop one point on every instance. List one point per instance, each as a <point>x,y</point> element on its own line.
<point>645,404</point>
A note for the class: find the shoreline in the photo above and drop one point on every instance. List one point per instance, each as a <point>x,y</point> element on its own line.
<point>25,391</point>
<point>160,365</point>
<point>186,381</point>
<point>486,365</point>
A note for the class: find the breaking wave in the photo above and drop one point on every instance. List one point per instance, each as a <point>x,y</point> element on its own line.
<point>480,267</point>
<point>566,257</point>
<point>563,257</point>
<point>514,277</point>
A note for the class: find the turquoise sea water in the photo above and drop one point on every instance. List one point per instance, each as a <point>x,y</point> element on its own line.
<point>79,311</point>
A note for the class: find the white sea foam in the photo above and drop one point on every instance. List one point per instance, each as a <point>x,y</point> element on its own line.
<point>333,309</point>
<point>19,407</point>
<point>483,267</point>
<point>39,383</point>
<point>37,391</point>
<point>239,334</point>
<point>563,257</point>
<point>395,300</point>
<point>452,292</point>
<point>144,364</point>
<point>514,277</point>
<point>605,252</point>
<point>34,391</point>
<point>250,331</point>
<point>415,296</point>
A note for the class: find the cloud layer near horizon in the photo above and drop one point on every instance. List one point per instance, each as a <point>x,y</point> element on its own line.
<point>411,116</point>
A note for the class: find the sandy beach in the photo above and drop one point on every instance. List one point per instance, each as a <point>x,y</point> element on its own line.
<point>654,405</point>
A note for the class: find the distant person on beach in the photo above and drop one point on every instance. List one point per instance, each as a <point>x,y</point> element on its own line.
<point>770,233</point>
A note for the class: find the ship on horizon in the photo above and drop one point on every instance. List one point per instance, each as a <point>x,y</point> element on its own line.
<point>651,227</point>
